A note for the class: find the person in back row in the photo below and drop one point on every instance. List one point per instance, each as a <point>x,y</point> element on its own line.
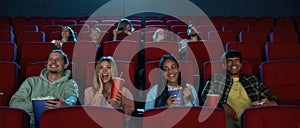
<point>95,35</point>
<point>124,29</point>
<point>54,81</point>
<point>237,91</point>
<point>193,35</point>
<point>67,34</point>
<point>159,35</point>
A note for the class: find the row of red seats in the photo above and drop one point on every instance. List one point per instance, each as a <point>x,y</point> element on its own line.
<point>198,53</point>
<point>49,32</point>
<point>202,20</point>
<point>177,117</point>
<point>252,52</point>
<point>281,81</point>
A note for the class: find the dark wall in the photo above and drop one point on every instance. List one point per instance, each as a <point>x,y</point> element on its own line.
<point>45,8</point>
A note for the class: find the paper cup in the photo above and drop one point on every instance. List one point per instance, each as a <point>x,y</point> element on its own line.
<point>38,106</point>
<point>178,94</point>
<point>257,104</point>
<point>212,100</point>
<point>116,87</point>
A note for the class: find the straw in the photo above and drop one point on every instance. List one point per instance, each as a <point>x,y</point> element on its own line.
<point>121,74</point>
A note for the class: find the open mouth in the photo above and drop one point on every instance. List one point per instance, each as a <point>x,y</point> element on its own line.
<point>105,76</point>
<point>234,67</point>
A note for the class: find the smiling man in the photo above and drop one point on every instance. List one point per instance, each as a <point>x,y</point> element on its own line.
<point>54,81</point>
<point>237,91</point>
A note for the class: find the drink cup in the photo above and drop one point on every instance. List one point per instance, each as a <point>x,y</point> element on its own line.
<point>257,104</point>
<point>116,87</point>
<point>38,106</point>
<point>177,93</point>
<point>212,100</point>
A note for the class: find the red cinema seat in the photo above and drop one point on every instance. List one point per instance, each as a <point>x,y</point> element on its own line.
<point>271,117</point>
<point>282,51</point>
<point>14,118</point>
<point>180,117</point>
<point>8,81</point>
<point>282,79</point>
<point>83,117</point>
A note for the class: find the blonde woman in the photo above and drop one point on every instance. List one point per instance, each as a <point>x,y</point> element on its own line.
<point>99,94</point>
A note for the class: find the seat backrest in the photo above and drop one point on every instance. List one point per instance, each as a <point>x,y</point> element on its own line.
<point>284,36</point>
<point>282,51</point>
<point>35,68</point>
<point>34,52</point>
<point>200,52</point>
<point>258,37</point>
<point>271,117</point>
<point>211,67</point>
<point>180,117</point>
<point>8,81</point>
<point>155,50</point>
<point>83,117</point>
<point>6,36</point>
<point>80,28</point>
<point>8,52</point>
<point>282,79</point>
<point>152,73</point>
<point>29,36</point>
<point>222,36</point>
<point>122,50</point>
<point>14,118</point>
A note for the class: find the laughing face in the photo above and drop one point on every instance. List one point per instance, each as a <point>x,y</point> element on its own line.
<point>233,66</point>
<point>65,33</point>
<point>56,63</point>
<point>105,72</point>
<point>171,72</point>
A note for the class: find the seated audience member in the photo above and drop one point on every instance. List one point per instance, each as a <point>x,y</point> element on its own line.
<point>237,91</point>
<point>99,93</point>
<point>159,35</point>
<point>123,29</point>
<point>95,35</point>
<point>193,35</point>
<point>54,81</point>
<point>171,78</point>
<point>66,34</point>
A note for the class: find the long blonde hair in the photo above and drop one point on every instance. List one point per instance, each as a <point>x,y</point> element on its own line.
<point>114,70</point>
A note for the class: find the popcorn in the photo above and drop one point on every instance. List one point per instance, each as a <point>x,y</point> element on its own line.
<point>174,88</point>
<point>43,98</point>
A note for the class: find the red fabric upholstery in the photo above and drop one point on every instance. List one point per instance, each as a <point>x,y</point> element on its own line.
<point>122,50</point>
<point>14,118</point>
<point>29,36</point>
<point>8,81</point>
<point>200,52</point>
<point>155,50</point>
<point>34,52</point>
<point>282,51</point>
<point>272,117</point>
<point>8,52</point>
<point>284,36</point>
<point>282,79</point>
<point>6,36</point>
<point>83,117</point>
<point>222,36</point>
<point>181,117</point>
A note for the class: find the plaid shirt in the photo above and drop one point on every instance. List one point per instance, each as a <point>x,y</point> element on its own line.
<point>221,84</point>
